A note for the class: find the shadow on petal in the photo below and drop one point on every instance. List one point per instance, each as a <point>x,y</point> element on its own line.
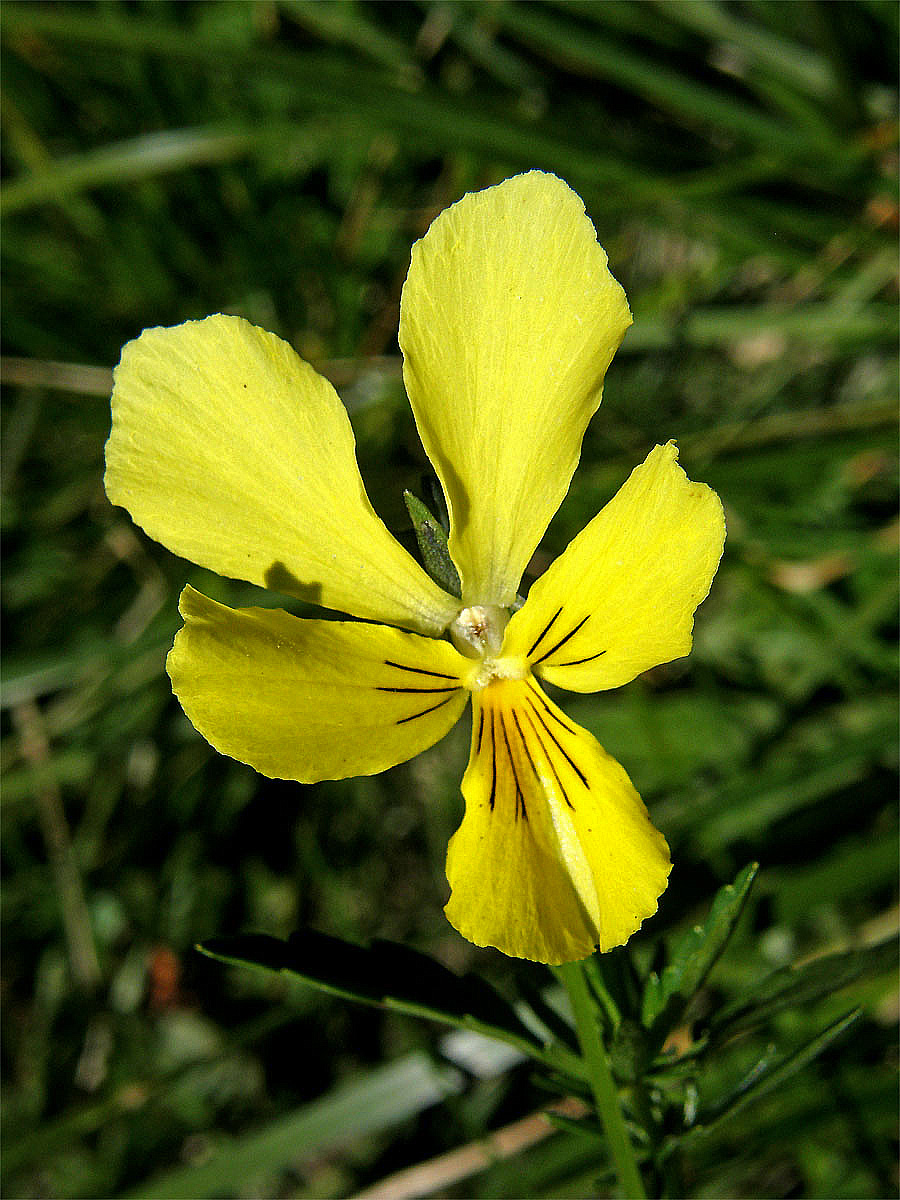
<point>278,578</point>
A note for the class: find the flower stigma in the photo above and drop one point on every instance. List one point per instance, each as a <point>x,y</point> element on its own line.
<point>477,632</point>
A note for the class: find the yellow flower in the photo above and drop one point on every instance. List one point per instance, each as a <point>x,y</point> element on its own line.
<point>236,454</point>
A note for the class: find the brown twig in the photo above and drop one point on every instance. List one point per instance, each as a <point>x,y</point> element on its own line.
<point>35,747</point>
<point>432,1176</point>
<point>59,376</point>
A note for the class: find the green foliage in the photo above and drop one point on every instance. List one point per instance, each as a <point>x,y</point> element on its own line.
<point>384,974</point>
<point>667,995</point>
<point>276,159</point>
<point>667,1093</point>
<point>381,1098</point>
<point>792,987</point>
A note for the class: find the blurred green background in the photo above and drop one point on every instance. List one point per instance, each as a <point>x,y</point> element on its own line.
<point>277,159</point>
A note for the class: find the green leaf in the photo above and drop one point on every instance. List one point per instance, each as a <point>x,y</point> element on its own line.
<point>802,68</point>
<point>795,987</point>
<point>432,539</point>
<point>666,996</point>
<point>649,78</point>
<point>769,1074</point>
<point>377,1101</point>
<point>388,975</point>
<point>351,25</point>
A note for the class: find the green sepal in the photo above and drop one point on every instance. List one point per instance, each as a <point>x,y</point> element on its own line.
<point>391,976</point>
<point>432,539</point>
<point>666,995</point>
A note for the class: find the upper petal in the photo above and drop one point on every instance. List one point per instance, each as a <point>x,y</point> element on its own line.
<point>236,454</point>
<point>621,598</point>
<point>556,853</point>
<point>508,321</point>
<point>311,700</point>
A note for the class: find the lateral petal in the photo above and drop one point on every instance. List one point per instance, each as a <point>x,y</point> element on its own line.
<point>311,700</point>
<point>556,853</point>
<point>234,453</point>
<point>621,598</point>
<point>508,321</point>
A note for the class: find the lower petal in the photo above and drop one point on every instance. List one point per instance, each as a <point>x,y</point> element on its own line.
<point>556,854</point>
<point>311,700</point>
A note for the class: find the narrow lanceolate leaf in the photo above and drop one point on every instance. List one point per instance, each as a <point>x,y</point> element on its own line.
<point>796,987</point>
<point>769,1074</point>
<point>432,539</point>
<point>666,995</point>
<point>385,974</point>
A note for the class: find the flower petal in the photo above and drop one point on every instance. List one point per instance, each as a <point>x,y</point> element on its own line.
<point>236,454</point>
<point>311,700</point>
<point>556,853</point>
<point>508,321</point>
<point>621,598</point>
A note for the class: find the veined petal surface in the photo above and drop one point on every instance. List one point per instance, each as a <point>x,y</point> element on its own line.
<point>556,853</point>
<point>508,321</point>
<point>311,700</point>
<point>621,598</point>
<point>234,453</point>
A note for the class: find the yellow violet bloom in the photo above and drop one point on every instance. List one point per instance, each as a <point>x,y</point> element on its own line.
<point>236,454</point>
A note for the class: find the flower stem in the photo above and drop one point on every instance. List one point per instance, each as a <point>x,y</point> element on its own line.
<point>606,1095</point>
